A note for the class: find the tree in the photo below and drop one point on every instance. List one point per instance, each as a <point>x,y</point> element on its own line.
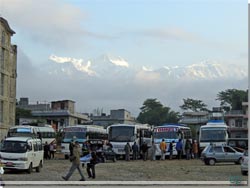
<point>194,105</point>
<point>22,113</point>
<point>154,113</point>
<point>232,99</point>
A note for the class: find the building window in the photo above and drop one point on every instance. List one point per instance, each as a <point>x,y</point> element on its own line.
<point>1,111</point>
<point>238,123</point>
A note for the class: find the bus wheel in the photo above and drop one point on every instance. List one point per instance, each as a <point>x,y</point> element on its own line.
<point>66,157</point>
<point>30,168</point>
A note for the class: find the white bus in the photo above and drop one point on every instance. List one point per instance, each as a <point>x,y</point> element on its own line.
<point>215,131</point>
<point>120,134</point>
<point>170,133</point>
<point>80,133</point>
<point>45,132</point>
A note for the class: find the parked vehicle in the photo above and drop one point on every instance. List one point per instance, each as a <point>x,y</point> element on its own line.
<point>80,133</point>
<point>22,153</point>
<point>102,153</point>
<point>170,133</point>
<point>215,131</point>
<point>220,153</point>
<point>121,134</point>
<point>244,164</point>
<point>239,144</point>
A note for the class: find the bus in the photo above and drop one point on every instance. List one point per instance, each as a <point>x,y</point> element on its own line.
<point>80,133</point>
<point>45,132</point>
<point>215,131</point>
<point>170,133</point>
<point>121,134</point>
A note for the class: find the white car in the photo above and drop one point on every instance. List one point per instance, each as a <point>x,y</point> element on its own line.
<point>244,164</point>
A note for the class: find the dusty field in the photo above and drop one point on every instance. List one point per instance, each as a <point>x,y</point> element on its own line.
<point>168,170</point>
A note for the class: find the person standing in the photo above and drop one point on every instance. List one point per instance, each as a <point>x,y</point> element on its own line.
<point>144,149</point>
<point>188,147</point>
<point>127,149</point>
<point>91,165</point>
<point>51,151</point>
<point>195,149</point>
<point>170,149</point>
<point>179,148</point>
<point>46,150</point>
<point>154,148</point>
<point>135,150</point>
<point>163,147</point>
<point>75,163</point>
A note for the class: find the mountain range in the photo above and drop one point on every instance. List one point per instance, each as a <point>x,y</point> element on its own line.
<point>107,67</point>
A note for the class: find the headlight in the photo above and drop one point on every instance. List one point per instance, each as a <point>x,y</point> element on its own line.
<point>23,159</point>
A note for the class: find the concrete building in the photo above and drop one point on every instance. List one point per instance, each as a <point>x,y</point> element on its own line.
<point>237,121</point>
<point>38,106</point>
<point>60,114</point>
<point>116,116</point>
<point>8,74</point>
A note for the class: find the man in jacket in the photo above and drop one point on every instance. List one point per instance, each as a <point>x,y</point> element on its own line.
<point>163,147</point>
<point>179,148</point>
<point>75,163</point>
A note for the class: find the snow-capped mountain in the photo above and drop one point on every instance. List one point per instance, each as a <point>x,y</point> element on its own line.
<point>205,70</point>
<point>110,67</point>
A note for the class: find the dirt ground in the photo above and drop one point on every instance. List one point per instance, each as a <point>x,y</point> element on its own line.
<point>168,170</point>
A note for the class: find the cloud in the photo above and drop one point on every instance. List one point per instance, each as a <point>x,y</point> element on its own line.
<point>146,77</point>
<point>77,63</point>
<point>147,69</point>
<point>119,62</point>
<point>48,22</point>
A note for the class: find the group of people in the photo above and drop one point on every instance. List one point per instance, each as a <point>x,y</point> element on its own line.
<point>135,150</point>
<point>191,150</point>
<point>49,151</point>
<point>75,154</point>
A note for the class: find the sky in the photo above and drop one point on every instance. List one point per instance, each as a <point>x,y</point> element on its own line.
<point>148,34</point>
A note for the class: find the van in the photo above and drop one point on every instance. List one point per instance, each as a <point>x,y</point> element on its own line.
<point>22,153</point>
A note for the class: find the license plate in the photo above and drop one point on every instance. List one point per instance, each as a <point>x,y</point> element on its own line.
<point>9,164</point>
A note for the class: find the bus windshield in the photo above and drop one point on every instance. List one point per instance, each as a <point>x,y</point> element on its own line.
<point>122,134</point>
<point>213,135</point>
<point>23,132</point>
<point>71,135</point>
<point>14,147</point>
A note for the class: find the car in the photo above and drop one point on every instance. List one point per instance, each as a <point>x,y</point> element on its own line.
<point>220,153</point>
<point>244,164</point>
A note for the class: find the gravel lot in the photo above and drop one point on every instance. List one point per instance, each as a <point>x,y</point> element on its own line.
<point>168,170</point>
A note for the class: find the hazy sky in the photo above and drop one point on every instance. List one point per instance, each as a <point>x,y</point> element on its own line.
<point>149,33</point>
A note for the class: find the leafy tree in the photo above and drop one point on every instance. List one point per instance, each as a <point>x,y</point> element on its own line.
<point>21,113</point>
<point>154,113</point>
<point>232,99</point>
<point>194,105</point>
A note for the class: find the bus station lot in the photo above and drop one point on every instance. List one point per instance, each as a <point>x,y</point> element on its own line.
<point>139,170</point>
